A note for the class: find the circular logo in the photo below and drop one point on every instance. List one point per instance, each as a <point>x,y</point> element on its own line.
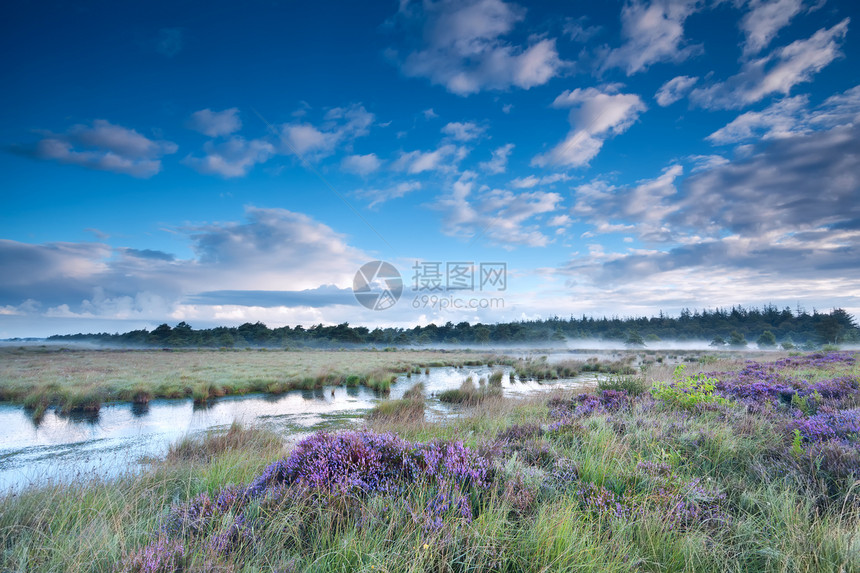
<point>377,285</point>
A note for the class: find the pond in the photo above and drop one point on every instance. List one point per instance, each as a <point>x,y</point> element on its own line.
<point>115,439</point>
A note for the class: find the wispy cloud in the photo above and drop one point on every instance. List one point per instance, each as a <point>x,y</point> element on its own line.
<point>764,21</point>
<point>232,158</point>
<point>463,131</point>
<point>464,49</point>
<point>595,116</point>
<point>776,73</point>
<point>674,90</point>
<point>361,164</point>
<point>377,196</point>
<point>340,126</point>
<point>789,116</point>
<point>215,123</point>
<point>498,162</point>
<point>102,146</point>
<point>443,158</point>
<point>653,32</point>
<point>503,217</point>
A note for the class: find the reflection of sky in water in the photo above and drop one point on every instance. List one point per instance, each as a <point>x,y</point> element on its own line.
<point>113,440</point>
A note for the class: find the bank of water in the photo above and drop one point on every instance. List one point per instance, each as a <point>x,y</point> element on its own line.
<point>118,437</point>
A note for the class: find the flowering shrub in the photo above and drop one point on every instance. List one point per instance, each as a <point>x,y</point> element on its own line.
<point>163,555</point>
<point>843,424</point>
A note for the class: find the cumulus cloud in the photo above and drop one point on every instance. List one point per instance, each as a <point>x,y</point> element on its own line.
<point>764,21</point>
<point>504,217</point>
<point>595,116</point>
<point>674,90</point>
<point>361,164</point>
<point>232,158</point>
<point>776,73</point>
<point>463,131</point>
<point>272,250</point>
<point>215,123</point>
<point>653,32</point>
<point>464,49</point>
<point>102,146</point>
<point>340,126</point>
<point>498,162</point>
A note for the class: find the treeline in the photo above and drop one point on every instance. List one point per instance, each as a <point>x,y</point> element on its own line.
<point>737,326</point>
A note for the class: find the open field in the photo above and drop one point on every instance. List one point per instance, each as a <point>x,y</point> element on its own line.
<point>85,379</point>
<point>751,467</point>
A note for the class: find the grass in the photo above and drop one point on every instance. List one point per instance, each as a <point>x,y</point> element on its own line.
<point>540,369</point>
<point>82,380</point>
<point>469,394</point>
<point>576,482</point>
<point>408,409</point>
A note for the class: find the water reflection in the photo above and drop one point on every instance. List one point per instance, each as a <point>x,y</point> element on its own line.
<point>118,436</point>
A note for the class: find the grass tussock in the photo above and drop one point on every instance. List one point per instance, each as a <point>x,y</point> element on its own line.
<point>469,394</point>
<point>598,481</point>
<point>237,438</point>
<point>409,409</point>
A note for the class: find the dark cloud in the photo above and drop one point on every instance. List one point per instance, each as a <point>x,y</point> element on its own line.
<point>788,211</point>
<point>149,254</point>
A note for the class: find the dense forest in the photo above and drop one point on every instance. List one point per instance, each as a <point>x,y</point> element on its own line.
<point>735,327</point>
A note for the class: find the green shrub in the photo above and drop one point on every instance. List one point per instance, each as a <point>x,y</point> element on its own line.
<point>688,392</point>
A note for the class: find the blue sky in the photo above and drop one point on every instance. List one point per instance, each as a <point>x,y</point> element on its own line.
<point>218,163</point>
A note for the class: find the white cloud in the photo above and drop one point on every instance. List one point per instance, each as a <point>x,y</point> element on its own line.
<point>271,250</point>
<point>596,116</point>
<point>443,158</point>
<point>764,21</point>
<point>379,196</point>
<point>498,163</point>
<point>777,120</point>
<point>674,90</point>
<point>790,116</point>
<point>504,217</point>
<point>777,72</point>
<point>103,146</point>
<point>463,47</point>
<point>215,123</point>
<point>361,164</point>
<point>232,158</point>
<point>463,131</point>
<point>429,114</point>
<point>534,181</point>
<point>339,127</point>
<point>611,209</point>
<point>653,32</point>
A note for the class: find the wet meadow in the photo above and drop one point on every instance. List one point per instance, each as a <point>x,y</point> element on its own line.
<point>715,465</point>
